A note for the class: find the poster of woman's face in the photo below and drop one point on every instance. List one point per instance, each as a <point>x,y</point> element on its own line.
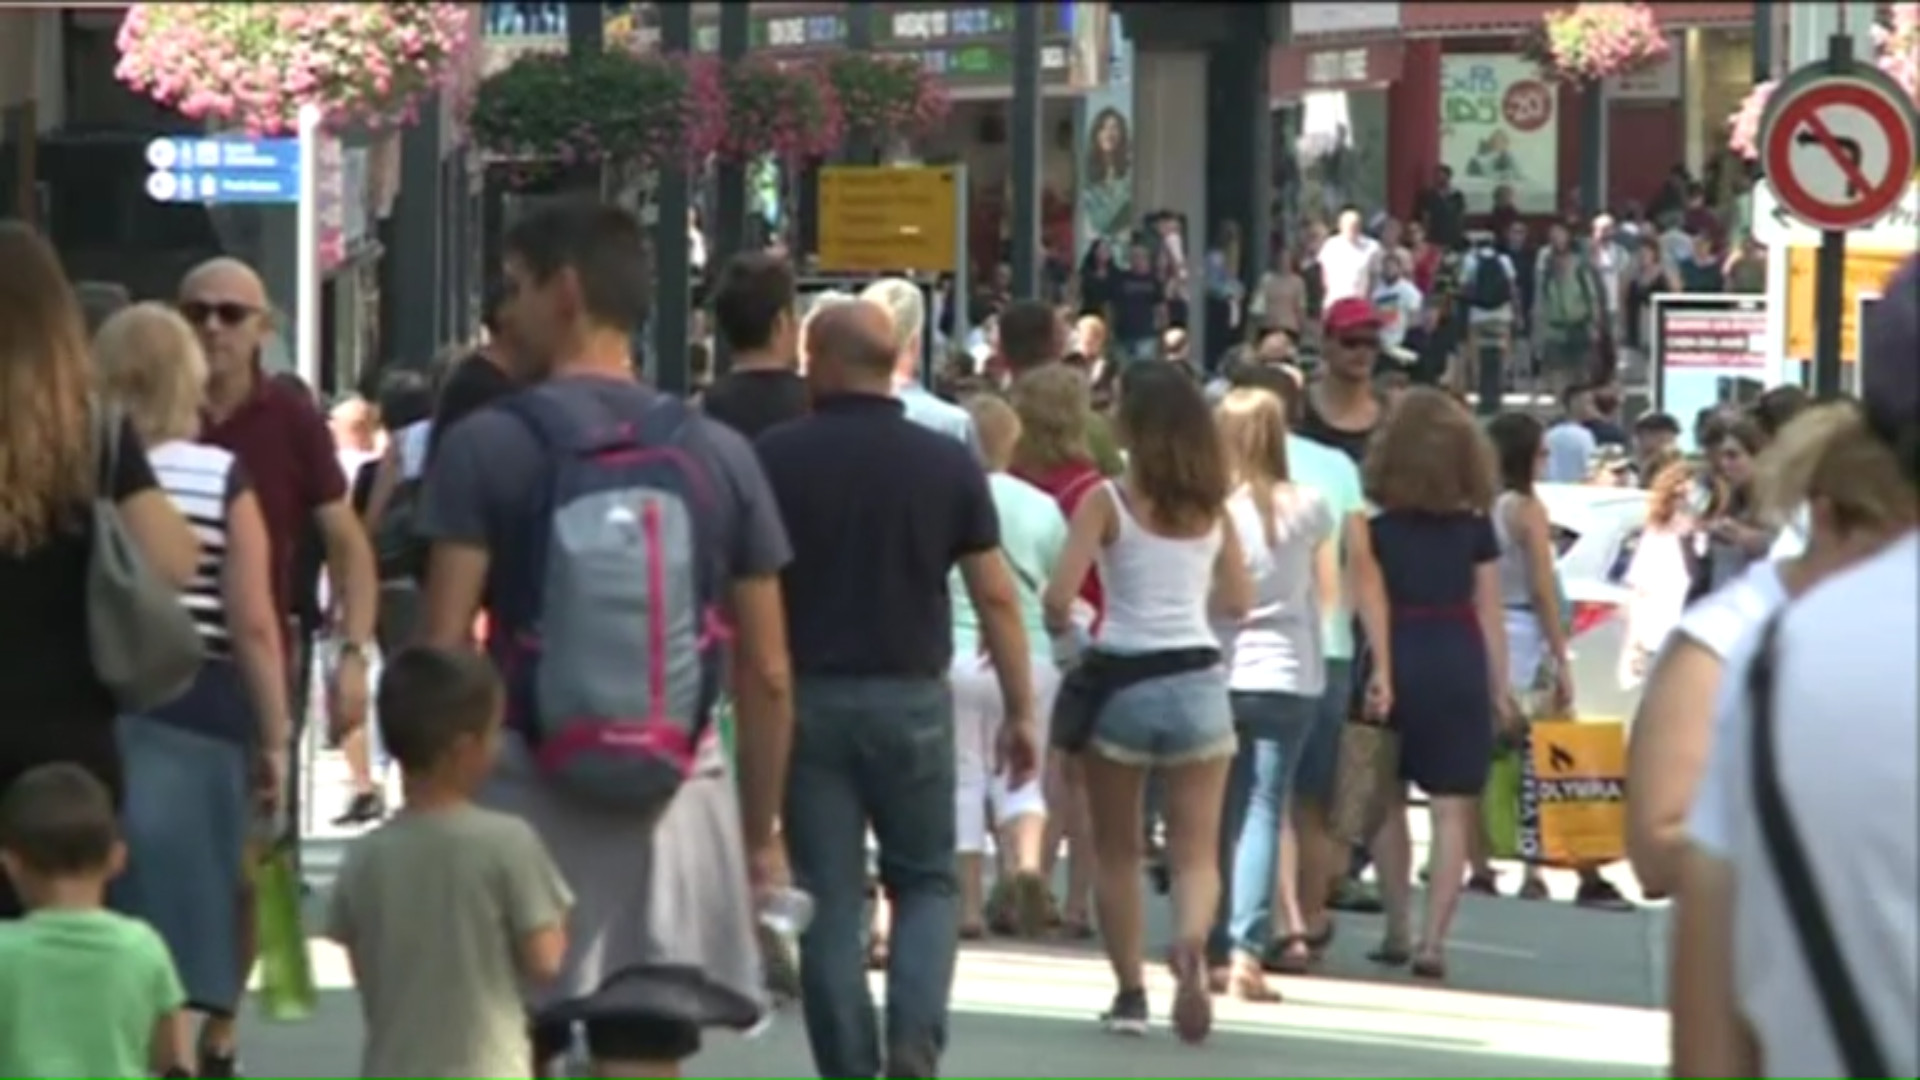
<point>1109,149</point>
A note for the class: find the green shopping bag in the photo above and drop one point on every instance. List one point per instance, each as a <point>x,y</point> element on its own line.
<point>1500,806</point>
<point>287,990</point>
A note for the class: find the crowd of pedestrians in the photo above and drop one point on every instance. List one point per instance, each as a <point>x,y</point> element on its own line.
<point>1079,605</point>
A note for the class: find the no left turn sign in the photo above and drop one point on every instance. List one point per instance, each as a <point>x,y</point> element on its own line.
<point>1839,149</point>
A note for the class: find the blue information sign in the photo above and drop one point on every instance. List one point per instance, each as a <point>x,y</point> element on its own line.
<point>223,170</point>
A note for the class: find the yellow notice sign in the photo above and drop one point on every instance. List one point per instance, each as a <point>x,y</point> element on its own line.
<point>1867,275</point>
<point>876,219</point>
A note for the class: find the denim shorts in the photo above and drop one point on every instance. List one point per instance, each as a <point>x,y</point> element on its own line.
<point>1168,721</point>
<point>1320,754</point>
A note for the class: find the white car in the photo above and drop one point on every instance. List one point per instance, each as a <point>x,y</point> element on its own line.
<point>1595,532</point>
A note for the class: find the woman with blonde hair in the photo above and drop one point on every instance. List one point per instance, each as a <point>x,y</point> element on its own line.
<point>1167,561</point>
<point>196,765</point>
<point>53,465</point>
<point>1828,460</point>
<point>1276,672</point>
<point>1032,534</point>
<point>1661,573</point>
<point>1431,476</point>
<point>1055,454</point>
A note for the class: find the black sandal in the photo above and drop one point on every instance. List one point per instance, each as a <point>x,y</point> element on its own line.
<point>1290,954</point>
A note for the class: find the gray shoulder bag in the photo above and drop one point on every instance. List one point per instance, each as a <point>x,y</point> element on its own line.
<point>146,650</point>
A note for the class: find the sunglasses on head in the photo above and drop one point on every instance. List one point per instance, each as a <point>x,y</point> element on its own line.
<point>227,313</point>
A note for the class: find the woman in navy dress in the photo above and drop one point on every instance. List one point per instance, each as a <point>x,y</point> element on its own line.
<point>1430,477</point>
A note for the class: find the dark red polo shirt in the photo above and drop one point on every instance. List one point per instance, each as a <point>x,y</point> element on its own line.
<point>283,443</point>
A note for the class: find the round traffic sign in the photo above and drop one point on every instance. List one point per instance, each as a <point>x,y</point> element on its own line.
<point>1839,149</point>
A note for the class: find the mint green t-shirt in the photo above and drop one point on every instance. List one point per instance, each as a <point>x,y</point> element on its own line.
<point>1335,476</point>
<point>1032,534</point>
<point>80,993</point>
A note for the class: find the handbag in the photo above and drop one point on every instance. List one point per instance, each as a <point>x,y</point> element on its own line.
<point>146,650</point>
<point>1848,1024</point>
<point>1368,774</point>
<point>1085,688</point>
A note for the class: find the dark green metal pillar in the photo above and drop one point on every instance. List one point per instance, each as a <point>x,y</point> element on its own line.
<point>672,274</point>
<point>586,29</point>
<point>1593,141</point>
<point>1239,165</point>
<point>1024,131</point>
<point>413,286</point>
<point>727,231</point>
<point>860,17</point>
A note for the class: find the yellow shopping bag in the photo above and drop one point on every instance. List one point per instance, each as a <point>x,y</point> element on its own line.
<point>1573,792</point>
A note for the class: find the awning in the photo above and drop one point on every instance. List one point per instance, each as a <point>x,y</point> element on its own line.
<point>1294,70</point>
<point>1460,19</point>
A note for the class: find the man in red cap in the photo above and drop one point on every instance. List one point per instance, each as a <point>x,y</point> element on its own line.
<point>1342,408</point>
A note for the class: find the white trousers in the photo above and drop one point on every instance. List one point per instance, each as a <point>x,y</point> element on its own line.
<point>982,796</point>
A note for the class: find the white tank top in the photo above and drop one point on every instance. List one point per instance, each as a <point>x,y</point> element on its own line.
<point>1156,586</point>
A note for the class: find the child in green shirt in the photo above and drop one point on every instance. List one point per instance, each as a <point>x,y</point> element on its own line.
<point>83,991</point>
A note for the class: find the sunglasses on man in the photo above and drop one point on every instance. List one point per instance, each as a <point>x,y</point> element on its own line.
<point>226,313</point>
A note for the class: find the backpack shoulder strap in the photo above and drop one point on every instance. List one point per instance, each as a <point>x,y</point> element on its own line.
<point>1848,1025</point>
<point>105,421</point>
<point>544,418</point>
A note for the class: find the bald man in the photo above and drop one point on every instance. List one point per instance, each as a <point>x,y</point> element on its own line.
<point>288,454</point>
<point>880,511</point>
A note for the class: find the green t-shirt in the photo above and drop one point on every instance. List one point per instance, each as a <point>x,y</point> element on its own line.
<point>1032,534</point>
<point>1334,475</point>
<point>80,994</point>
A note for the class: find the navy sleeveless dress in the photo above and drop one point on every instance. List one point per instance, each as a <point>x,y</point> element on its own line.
<point>1442,701</point>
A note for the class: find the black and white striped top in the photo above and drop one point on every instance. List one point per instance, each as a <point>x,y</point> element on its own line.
<point>203,481</point>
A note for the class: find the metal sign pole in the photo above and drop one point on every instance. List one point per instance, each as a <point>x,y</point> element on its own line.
<point>1830,270</point>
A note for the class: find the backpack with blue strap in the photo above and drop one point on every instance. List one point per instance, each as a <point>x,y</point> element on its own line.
<point>608,628</point>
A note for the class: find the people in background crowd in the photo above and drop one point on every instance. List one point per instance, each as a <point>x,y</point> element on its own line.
<point>1438,671</point>
<point>1099,279</point>
<point>753,307</point>
<point>1490,292</point>
<point>1442,210</point>
<point>1280,302</point>
<point>1779,782</point>
<point>664,896</point>
<point>1570,442</point>
<point>1033,532</point>
<point>902,302</point>
<point>199,766</point>
<point>1570,317</point>
<point>1166,562</point>
<point>53,463</point>
<point>1139,306</point>
<point>869,623</point>
<point>1349,260</point>
<point>1398,302</point>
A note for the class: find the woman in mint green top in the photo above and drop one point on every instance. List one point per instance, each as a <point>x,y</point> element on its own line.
<point>1032,533</point>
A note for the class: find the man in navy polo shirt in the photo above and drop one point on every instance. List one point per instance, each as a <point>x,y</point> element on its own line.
<point>879,510</point>
<point>283,444</point>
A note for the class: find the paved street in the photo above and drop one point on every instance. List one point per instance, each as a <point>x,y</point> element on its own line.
<point>1539,990</point>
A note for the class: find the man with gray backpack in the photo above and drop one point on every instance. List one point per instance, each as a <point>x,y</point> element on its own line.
<point>626,551</point>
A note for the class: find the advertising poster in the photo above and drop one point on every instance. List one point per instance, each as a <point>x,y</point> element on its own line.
<point>1103,153</point>
<point>1708,350</point>
<point>1499,125</point>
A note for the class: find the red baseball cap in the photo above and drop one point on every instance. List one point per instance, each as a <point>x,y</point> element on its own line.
<point>1350,315</point>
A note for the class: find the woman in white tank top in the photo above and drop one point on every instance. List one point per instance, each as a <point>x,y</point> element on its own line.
<point>1169,565</point>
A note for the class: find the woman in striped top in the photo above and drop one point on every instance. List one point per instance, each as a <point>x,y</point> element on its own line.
<point>196,765</point>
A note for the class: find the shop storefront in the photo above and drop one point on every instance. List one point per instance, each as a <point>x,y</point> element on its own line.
<point>1330,91</point>
<point>350,267</point>
<point>1496,122</point>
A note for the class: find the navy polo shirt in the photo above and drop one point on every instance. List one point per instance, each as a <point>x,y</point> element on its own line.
<point>878,510</point>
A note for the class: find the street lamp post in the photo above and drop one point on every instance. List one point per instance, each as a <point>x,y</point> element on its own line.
<point>1024,130</point>
<point>672,272</point>
<point>729,226</point>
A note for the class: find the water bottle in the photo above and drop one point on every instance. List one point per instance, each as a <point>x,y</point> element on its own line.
<point>783,917</point>
<point>287,990</point>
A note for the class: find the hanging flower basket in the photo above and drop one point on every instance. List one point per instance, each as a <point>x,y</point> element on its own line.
<point>787,110</point>
<point>615,108</point>
<point>1897,41</point>
<point>253,66</point>
<point>887,98</point>
<point>1591,42</point>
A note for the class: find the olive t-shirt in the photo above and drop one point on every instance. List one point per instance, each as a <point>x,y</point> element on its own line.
<point>432,907</point>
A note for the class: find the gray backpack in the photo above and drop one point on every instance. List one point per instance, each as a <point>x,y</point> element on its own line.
<point>608,627</point>
<point>146,650</point>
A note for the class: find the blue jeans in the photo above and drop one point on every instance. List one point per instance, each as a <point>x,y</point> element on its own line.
<point>879,753</point>
<point>1273,727</point>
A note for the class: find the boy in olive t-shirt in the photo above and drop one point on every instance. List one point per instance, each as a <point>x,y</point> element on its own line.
<point>83,991</point>
<point>444,909</point>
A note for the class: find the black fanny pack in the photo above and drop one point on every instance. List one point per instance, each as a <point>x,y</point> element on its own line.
<point>1084,690</point>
